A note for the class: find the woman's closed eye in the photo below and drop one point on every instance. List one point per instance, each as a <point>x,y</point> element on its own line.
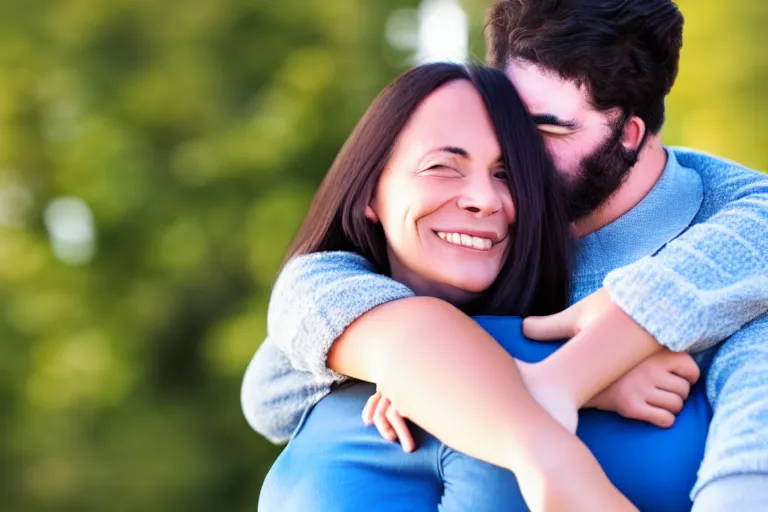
<point>440,170</point>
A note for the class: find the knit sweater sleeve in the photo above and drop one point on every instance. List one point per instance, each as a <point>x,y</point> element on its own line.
<point>711,280</point>
<point>316,297</point>
<point>319,295</point>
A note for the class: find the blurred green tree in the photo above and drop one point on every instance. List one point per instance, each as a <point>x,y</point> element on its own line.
<point>193,134</point>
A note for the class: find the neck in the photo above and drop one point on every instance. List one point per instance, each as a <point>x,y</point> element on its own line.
<point>423,287</point>
<point>639,182</point>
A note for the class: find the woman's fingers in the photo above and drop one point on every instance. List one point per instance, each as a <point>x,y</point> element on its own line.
<point>401,429</point>
<point>382,422</point>
<point>370,408</point>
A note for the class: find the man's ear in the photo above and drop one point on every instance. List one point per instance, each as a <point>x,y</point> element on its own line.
<point>634,132</point>
<point>371,214</point>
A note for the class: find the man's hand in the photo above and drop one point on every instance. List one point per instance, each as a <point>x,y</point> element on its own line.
<point>379,411</point>
<point>653,391</point>
<point>604,344</point>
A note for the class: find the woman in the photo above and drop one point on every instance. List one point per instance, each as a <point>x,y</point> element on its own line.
<point>418,190</point>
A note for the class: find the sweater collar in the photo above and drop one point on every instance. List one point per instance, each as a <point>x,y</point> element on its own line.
<point>667,210</point>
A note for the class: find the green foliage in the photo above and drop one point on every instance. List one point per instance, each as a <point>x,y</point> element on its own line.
<point>196,132</point>
<point>718,104</point>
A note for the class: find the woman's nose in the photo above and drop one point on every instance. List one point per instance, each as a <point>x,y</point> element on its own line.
<point>481,197</point>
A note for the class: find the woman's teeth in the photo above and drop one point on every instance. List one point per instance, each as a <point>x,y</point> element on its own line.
<point>473,242</point>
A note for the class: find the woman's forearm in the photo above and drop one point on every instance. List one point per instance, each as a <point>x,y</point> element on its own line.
<point>581,486</point>
<point>444,372</point>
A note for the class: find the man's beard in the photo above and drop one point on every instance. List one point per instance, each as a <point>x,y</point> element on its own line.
<point>600,175</point>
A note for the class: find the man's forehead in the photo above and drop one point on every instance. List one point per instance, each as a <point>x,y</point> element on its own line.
<point>545,92</point>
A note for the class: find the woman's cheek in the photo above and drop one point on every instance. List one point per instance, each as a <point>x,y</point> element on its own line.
<point>508,205</point>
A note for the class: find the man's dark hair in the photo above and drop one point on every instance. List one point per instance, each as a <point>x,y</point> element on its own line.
<point>534,276</point>
<point>625,51</point>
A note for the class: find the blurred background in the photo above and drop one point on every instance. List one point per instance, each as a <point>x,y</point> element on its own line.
<point>156,158</point>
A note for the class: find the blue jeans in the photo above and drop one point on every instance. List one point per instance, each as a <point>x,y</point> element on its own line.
<point>335,463</point>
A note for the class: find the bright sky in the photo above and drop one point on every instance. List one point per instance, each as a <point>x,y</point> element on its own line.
<point>443,32</point>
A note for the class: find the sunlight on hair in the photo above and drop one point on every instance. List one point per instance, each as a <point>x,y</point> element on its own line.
<point>443,33</point>
<point>70,226</point>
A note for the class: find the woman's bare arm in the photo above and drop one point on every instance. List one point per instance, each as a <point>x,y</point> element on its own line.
<point>445,373</point>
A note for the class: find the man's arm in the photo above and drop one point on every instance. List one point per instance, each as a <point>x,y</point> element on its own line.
<point>313,301</point>
<point>737,444</point>
<point>274,395</point>
<point>710,281</point>
<point>316,297</point>
<point>695,292</point>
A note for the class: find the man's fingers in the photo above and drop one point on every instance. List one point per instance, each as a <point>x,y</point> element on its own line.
<point>379,411</point>
<point>370,407</point>
<point>553,327</point>
<point>381,421</point>
<point>401,429</point>
<point>685,366</point>
<point>657,416</point>
<point>674,384</point>
<point>666,400</point>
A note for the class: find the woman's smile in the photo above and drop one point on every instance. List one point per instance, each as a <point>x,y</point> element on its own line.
<point>469,240</point>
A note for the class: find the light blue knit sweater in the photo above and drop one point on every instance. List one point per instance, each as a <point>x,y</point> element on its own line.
<point>689,263</point>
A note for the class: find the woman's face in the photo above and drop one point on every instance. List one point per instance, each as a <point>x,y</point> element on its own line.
<point>443,199</point>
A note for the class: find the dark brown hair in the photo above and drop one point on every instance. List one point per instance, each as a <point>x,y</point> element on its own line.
<point>626,52</point>
<point>534,276</point>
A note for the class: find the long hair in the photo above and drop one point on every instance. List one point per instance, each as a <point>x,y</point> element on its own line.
<point>534,276</point>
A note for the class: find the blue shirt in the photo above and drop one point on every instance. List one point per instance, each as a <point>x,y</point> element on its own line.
<point>335,463</point>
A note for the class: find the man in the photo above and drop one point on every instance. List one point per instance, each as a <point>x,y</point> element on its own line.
<point>679,239</point>
<point>601,116</point>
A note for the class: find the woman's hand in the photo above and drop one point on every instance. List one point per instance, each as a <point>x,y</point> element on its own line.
<point>653,391</point>
<point>379,411</point>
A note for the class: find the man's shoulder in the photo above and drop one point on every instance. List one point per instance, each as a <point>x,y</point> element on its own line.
<point>320,263</point>
<point>723,181</point>
<point>705,163</point>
